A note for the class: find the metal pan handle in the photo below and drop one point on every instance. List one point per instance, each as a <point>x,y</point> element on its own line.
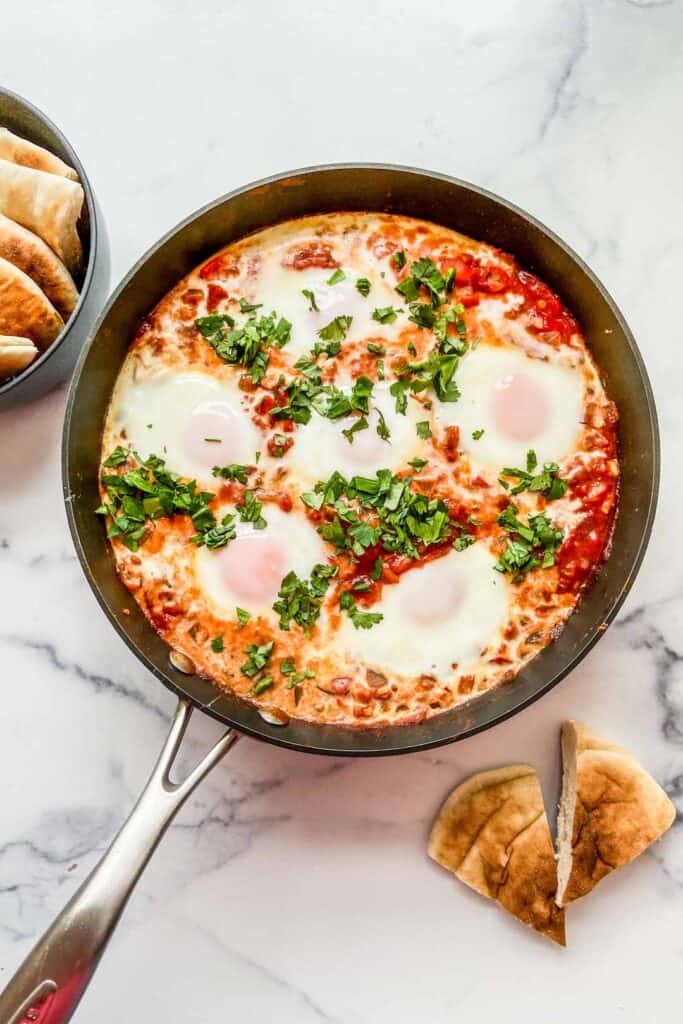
<point>49,984</point>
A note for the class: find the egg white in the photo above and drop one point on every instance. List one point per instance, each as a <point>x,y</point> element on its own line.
<point>301,546</point>
<point>419,634</point>
<point>281,288</point>
<point>157,411</point>
<point>320,447</point>
<point>486,368</point>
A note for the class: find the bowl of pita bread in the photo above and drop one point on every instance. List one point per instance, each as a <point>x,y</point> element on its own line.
<point>54,259</point>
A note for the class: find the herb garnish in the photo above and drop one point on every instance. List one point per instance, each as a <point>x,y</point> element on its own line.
<point>246,345</point>
<point>529,545</point>
<point>311,300</point>
<point>399,259</point>
<point>423,429</point>
<point>363,286</point>
<point>546,481</point>
<point>250,511</point>
<point>234,471</point>
<point>300,600</point>
<point>336,330</point>
<point>477,434</point>
<point>385,314</point>
<point>359,424</point>
<point>361,620</point>
<point>217,644</point>
<point>258,658</point>
<point>242,616</point>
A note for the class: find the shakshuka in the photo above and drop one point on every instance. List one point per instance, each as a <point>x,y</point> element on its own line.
<point>359,468</point>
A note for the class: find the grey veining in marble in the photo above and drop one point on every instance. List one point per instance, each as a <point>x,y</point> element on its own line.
<point>295,888</point>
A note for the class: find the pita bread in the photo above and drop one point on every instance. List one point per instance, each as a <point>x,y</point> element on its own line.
<point>610,811</point>
<point>46,204</point>
<point>21,151</point>
<point>492,833</point>
<point>24,310</point>
<point>15,355</point>
<point>30,254</point>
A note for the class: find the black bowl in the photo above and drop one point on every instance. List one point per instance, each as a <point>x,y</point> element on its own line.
<point>454,204</point>
<point>57,361</point>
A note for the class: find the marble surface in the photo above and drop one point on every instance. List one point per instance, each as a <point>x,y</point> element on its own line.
<point>294,887</point>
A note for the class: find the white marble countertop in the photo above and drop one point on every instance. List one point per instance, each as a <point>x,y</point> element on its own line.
<point>296,888</point>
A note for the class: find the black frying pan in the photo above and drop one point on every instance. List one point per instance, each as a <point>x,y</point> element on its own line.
<point>54,976</point>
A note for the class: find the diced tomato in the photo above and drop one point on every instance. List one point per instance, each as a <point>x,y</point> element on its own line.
<point>215,295</point>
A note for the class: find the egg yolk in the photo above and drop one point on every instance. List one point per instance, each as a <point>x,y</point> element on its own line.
<point>429,601</point>
<point>519,408</point>
<point>252,568</point>
<point>210,436</point>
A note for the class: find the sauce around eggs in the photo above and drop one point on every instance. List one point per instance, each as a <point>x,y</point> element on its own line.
<point>359,468</point>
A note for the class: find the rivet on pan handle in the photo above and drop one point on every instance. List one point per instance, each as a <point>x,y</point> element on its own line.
<point>49,984</point>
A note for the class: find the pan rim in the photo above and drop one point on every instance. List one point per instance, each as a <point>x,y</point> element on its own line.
<point>278,735</point>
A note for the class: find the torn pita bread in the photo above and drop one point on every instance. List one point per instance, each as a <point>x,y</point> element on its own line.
<point>46,204</point>
<point>610,811</point>
<point>29,253</point>
<point>21,151</point>
<point>492,833</point>
<point>24,310</point>
<point>15,355</point>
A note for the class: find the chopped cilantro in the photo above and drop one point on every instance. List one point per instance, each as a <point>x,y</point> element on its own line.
<point>287,666</point>
<point>477,434</point>
<point>418,464</point>
<point>382,428</point>
<point>422,314</point>
<point>261,686</point>
<point>375,349</point>
<point>363,286</point>
<point>246,345</point>
<point>117,457</point>
<point>399,259</point>
<point>337,276</point>
<point>249,307</point>
<point>546,482</point>
<point>423,429</point>
<point>377,569</point>
<point>463,541</point>
<point>217,644</point>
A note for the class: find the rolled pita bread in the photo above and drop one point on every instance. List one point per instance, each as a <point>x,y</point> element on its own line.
<point>46,204</point>
<point>29,253</point>
<point>492,834</point>
<point>610,811</point>
<point>21,151</point>
<point>24,310</point>
<point>15,355</point>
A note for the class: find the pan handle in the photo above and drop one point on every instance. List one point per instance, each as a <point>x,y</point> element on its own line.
<point>49,984</point>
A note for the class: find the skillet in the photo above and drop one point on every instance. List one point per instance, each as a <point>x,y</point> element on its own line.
<point>48,986</point>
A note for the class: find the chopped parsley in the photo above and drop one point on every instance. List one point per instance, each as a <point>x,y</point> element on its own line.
<point>337,276</point>
<point>377,570</point>
<point>312,305</point>
<point>477,434</point>
<point>399,259</point>
<point>375,349</point>
<point>250,511</point>
<point>234,471</point>
<point>529,545</point>
<point>150,491</point>
<point>262,685</point>
<point>382,428</point>
<point>242,616</point>
<point>418,464</point>
<point>249,307</point>
<point>546,481</point>
<point>247,345</point>
<point>463,541</point>
<point>288,670</point>
<point>258,657</point>
<point>336,330</point>
<point>400,518</point>
<point>385,314</point>
<point>217,644</point>
<point>359,424</point>
<point>361,620</point>
<point>423,429</point>
<point>363,286</point>
<point>300,600</point>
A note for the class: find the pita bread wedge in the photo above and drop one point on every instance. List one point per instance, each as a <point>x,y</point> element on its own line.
<point>492,833</point>
<point>15,355</point>
<point>29,253</point>
<point>21,151</point>
<point>610,811</point>
<point>46,204</point>
<point>24,310</point>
